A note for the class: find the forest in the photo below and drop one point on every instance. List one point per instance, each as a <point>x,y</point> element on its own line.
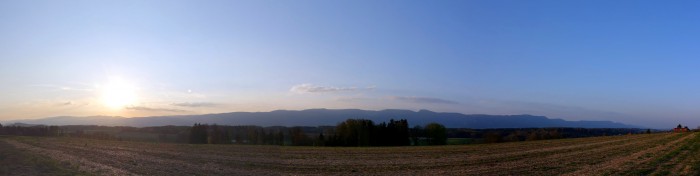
<point>351,132</point>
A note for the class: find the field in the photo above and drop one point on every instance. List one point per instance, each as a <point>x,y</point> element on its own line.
<point>644,154</point>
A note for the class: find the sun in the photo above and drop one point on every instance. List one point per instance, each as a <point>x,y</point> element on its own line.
<point>118,94</point>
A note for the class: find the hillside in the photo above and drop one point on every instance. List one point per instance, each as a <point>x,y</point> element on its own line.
<point>321,117</point>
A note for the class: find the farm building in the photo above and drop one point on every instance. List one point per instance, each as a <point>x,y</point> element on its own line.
<point>680,128</point>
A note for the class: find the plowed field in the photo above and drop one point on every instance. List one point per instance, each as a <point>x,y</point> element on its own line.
<point>650,154</point>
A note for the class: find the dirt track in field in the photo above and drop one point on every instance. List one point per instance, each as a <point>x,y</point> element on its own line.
<point>617,155</point>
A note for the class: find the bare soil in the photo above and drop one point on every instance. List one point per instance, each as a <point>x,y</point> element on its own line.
<point>666,153</point>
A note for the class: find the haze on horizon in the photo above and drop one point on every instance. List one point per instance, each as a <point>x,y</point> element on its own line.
<point>634,62</point>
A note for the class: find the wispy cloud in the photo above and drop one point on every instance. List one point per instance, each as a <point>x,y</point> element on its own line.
<point>67,103</point>
<point>195,104</point>
<point>310,88</point>
<point>428,100</point>
<point>144,108</point>
<point>354,99</point>
<point>60,87</point>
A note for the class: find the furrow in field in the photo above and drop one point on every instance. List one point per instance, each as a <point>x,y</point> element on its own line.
<point>346,158</point>
<point>553,163</point>
<point>516,148</point>
<point>186,163</point>
<point>420,159</point>
<point>677,161</point>
<point>535,146</point>
<point>680,165</point>
<point>620,162</point>
<point>153,165</point>
<point>436,157</point>
<point>427,158</point>
<point>191,155</point>
<point>550,157</point>
<point>82,163</point>
<point>690,161</point>
<point>641,162</point>
<point>457,166</point>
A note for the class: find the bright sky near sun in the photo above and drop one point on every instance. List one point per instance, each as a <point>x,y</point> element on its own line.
<point>630,61</point>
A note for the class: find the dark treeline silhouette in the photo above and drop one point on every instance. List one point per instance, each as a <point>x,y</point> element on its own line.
<point>352,132</point>
<point>530,134</point>
<point>362,132</point>
<point>172,134</point>
<point>40,130</point>
<point>254,135</point>
<point>435,134</point>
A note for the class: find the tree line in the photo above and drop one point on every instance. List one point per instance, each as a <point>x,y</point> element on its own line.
<point>30,130</point>
<point>531,134</point>
<point>352,132</point>
<point>221,134</point>
<point>363,132</point>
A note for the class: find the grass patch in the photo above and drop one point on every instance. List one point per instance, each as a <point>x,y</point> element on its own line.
<point>663,164</point>
<point>15,161</point>
<point>459,141</point>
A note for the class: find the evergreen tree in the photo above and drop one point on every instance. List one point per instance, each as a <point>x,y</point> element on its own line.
<point>363,132</point>
<point>321,140</point>
<point>198,134</point>
<point>280,138</point>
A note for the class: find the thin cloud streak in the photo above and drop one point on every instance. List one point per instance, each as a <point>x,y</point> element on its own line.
<point>68,103</point>
<point>354,99</point>
<point>195,104</point>
<point>426,100</point>
<point>310,88</point>
<point>143,108</point>
<point>64,88</point>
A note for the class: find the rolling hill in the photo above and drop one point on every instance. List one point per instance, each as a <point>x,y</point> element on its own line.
<point>322,117</point>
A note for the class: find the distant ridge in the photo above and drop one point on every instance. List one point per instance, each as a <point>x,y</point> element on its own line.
<point>322,117</point>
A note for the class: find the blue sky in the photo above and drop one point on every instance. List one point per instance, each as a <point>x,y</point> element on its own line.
<point>627,61</point>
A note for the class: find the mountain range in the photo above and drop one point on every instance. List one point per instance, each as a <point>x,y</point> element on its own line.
<point>329,117</point>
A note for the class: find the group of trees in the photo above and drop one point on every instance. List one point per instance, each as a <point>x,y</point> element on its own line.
<point>30,130</point>
<point>255,135</point>
<point>530,134</point>
<point>200,134</point>
<point>215,134</point>
<point>521,135</point>
<point>363,132</point>
<point>431,134</point>
<point>352,132</point>
<point>435,134</point>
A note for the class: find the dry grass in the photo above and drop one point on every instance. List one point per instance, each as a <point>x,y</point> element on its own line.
<point>15,161</point>
<point>616,155</point>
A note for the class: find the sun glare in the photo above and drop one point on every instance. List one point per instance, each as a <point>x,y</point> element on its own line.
<point>118,94</point>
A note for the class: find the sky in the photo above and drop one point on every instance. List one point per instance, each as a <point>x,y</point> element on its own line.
<point>628,61</point>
